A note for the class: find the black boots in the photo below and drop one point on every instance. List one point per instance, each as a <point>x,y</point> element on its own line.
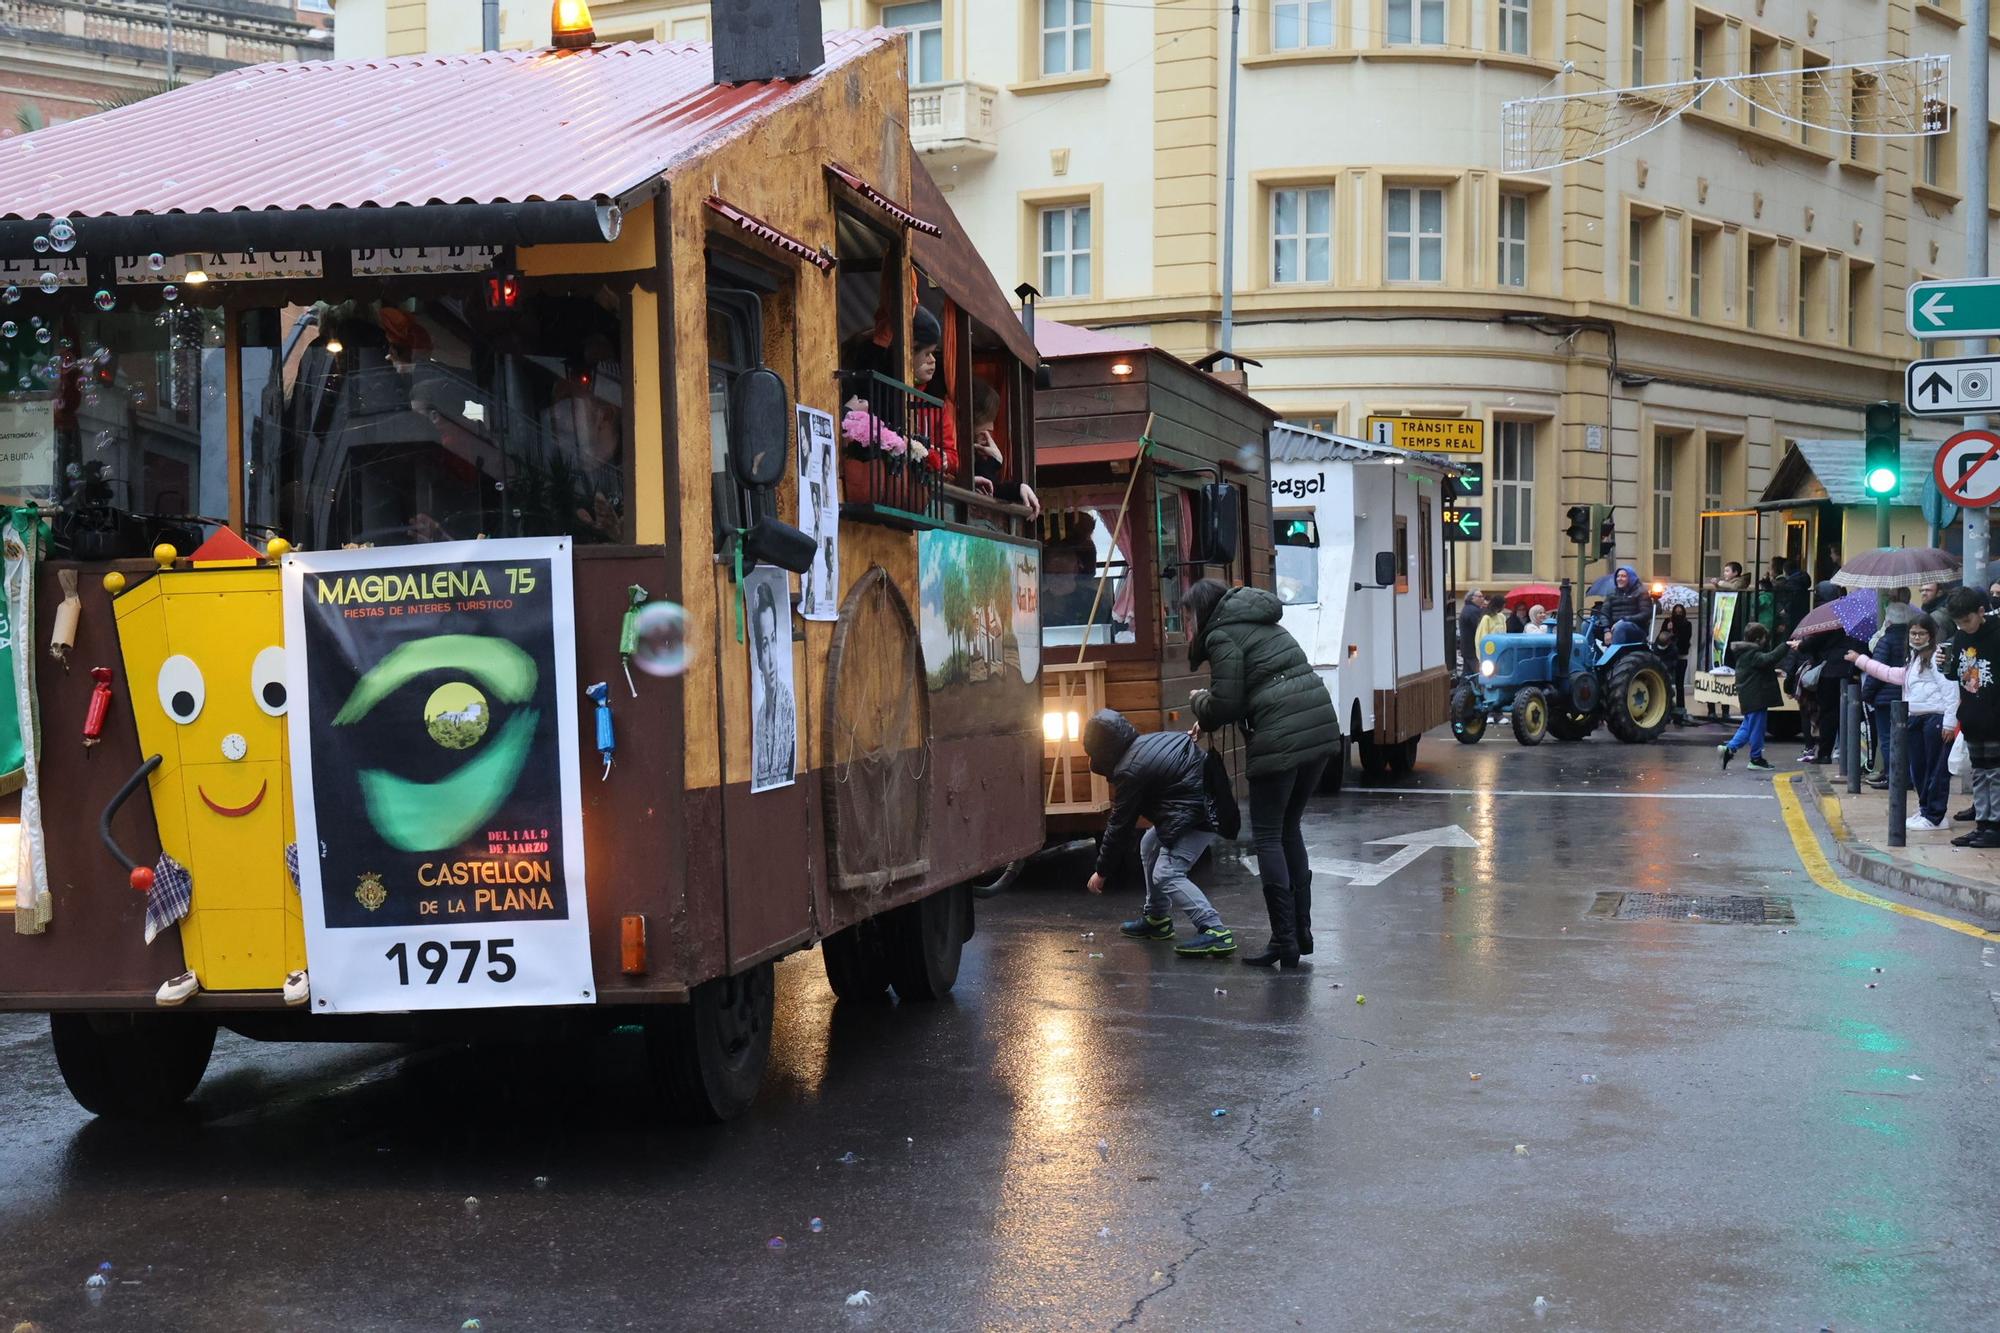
<point>1284,947</point>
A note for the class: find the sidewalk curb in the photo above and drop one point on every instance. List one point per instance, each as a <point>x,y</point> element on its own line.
<point>1878,868</point>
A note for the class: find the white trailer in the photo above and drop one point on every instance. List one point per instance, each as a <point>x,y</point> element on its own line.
<point>1358,540</point>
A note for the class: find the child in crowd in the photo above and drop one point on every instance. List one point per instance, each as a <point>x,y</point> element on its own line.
<point>1158,775</point>
<point>1969,660</point>
<point>1933,700</point>
<point>1757,693</point>
<point>989,465</point>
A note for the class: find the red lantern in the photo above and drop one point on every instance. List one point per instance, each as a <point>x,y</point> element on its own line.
<point>100,704</point>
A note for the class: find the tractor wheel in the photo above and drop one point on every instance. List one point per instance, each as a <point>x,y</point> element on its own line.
<point>924,941</point>
<point>1637,697</point>
<point>1566,724</point>
<point>708,1055</point>
<point>1468,716</point>
<point>1374,758</point>
<point>131,1066</point>
<point>1531,715</point>
<point>857,962</point>
<point>1402,758</point>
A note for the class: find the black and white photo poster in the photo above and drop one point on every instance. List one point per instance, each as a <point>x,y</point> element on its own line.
<point>774,718</point>
<point>819,514</point>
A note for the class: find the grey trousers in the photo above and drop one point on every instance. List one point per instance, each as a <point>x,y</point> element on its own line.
<point>1986,795</point>
<point>1167,882</point>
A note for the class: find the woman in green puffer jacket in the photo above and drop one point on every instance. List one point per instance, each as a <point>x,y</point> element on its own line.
<point>1260,679</point>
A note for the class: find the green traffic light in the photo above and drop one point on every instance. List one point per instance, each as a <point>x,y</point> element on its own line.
<point>1883,481</point>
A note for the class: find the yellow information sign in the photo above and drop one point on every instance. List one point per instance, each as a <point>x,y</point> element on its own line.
<point>1436,435</point>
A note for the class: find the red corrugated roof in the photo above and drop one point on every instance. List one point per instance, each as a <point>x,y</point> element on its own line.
<point>1057,339</point>
<point>496,127</point>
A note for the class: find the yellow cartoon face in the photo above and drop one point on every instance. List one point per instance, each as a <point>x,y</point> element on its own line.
<point>205,676</point>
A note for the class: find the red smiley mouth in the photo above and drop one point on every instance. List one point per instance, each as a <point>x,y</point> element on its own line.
<point>234,812</point>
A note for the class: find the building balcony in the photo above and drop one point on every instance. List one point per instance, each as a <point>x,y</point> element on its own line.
<point>953,123</point>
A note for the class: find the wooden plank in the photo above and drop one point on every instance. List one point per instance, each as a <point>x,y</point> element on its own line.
<point>1077,372</point>
<point>1130,696</point>
<point>1100,400</point>
<point>1109,429</point>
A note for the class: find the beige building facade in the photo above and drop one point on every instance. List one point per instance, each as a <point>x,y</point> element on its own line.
<point>1646,330</point>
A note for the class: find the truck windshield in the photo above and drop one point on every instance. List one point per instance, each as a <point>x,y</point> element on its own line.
<point>1295,543</point>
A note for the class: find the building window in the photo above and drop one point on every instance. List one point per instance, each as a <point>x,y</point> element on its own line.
<point>1759,285</point>
<point>1763,60</point>
<point>1860,307</point>
<point>1714,469</point>
<point>1301,235</point>
<point>1514,26</point>
<point>924,22</point>
<point>1415,235</point>
<point>1666,450</point>
<point>1295,556</point>
<point>1862,96</point>
<point>1065,250</point>
<point>1065,37</point>
<point>1416,23</point>
<point>1513,240</point>
<point>1696,258</point>
<point>1639,44</point>
<point>1635,261</point>
<point>1402,554</point>
<point>1301,23</point>
<point>1513,498</point>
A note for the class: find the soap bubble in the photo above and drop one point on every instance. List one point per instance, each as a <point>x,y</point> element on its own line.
<point>9,329</point>
<point>1250,458</point>
<point>818,1225</point>
<point>104,301</point>
<point>661,648</point>
<point>156,261</point>
<point>170,292</point>
<point>49,283</point>
<point>62,236</point>
<point>105,439</point>
<point>41,244</point>
<point>43,336</point>
<point>24,384</point>
<point>11,293</point>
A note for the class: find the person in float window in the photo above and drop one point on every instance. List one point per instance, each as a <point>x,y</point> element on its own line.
<point>989,465</point>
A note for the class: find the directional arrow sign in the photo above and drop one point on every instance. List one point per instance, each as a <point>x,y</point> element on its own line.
<point>1463,525</point>
<point>1410,845</point>
<point>1950,386</point>
<point>1470,481</point>
<point>1959,308</point>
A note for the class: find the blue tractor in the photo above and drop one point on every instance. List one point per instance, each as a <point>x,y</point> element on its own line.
<point>1564,684</point>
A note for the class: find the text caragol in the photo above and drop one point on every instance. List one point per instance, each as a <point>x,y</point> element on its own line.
<point>432,874</point>
<point>424,586</point>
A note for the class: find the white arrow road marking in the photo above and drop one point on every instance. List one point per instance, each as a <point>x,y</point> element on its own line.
<point>1410,845</point>
<point>1930,309</point>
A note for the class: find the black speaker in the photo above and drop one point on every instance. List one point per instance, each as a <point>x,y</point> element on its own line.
<point>1218,520</point>
<point>771,541</point>
<point>757,40</point>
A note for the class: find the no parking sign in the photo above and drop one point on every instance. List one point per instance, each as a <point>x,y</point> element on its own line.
<point>1968,468</point>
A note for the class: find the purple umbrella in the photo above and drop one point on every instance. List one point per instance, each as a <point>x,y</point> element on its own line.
<point>1854,613</point>
<point>1898,567</point>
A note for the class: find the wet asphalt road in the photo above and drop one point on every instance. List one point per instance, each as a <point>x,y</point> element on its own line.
<point>1751,1150</point>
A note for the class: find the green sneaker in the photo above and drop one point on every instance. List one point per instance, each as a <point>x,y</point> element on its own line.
<point>1148,928</point>
<point>1210,943</point>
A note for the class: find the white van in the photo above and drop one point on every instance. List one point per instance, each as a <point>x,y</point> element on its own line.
<point>1358,539</point>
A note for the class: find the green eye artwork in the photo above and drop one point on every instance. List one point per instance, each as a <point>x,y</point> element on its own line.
<point>430,816</point>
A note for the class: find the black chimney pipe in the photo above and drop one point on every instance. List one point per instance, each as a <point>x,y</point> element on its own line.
<point>757,40</point>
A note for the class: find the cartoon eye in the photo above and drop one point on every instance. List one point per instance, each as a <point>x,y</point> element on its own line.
<point>267,680</point>
<point>181,689</point>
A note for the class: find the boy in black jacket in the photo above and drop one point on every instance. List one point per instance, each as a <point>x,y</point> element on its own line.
<point>1972,658</point>
<point>1158,775</point>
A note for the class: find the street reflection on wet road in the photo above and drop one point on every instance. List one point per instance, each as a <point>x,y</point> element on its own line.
<point>1723,1126</point>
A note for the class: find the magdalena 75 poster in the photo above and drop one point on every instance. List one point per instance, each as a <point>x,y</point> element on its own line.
<point>435,770</point>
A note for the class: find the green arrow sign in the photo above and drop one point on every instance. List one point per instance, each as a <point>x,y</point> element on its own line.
<point>1959,308</point>
<point>1462,525</point>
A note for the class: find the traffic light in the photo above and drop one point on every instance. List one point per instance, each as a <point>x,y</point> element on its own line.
<point>1578,531</point>
<point>1882,450</point>
<point>1607,529</point>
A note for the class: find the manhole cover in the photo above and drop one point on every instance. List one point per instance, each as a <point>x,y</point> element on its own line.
<point>1715,909</point>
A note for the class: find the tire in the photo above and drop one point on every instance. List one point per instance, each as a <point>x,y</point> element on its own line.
<point>1638,698</point>
<point>1566,724</point>
<point>1403,758</point>
<point>1468,717</point>
<point>1374,758</point>
<point>1531,715</point>
<point>708,1055</point>
<point>997,883</point>
<point>857,962</point>
<point>924,942</point>
<point>1335,776</point>
<point>131,1066</point>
